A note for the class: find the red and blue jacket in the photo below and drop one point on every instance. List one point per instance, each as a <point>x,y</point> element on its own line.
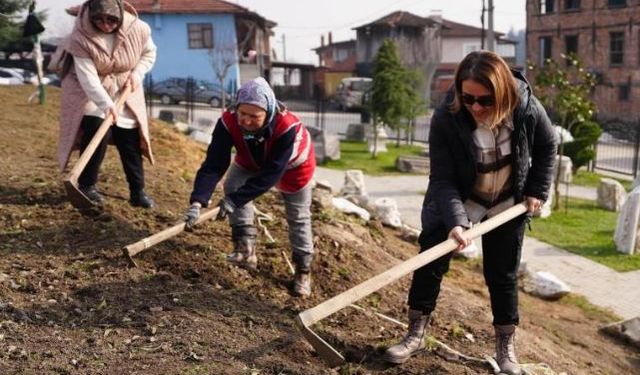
<point>282,155</point>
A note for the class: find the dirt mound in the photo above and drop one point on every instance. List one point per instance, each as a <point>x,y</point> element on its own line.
<point>69,304</point>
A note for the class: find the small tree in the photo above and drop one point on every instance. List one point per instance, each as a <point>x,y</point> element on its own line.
<point>222,58</point>
<point>564,89</point>
<point>389,90</point>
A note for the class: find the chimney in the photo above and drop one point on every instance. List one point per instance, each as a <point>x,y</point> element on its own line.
<point>436,15</point>
<point>330,38</point>
<point>321,40</point>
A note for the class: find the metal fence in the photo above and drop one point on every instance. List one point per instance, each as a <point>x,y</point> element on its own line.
<point>618,148</point>
<point>184,100</point>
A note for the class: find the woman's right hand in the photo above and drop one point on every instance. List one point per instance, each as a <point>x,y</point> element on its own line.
<point>457,234</point>
<point>192,215</point>
<point>112,111</point>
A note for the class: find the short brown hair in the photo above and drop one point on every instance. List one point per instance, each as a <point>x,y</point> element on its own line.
<point>492,72</point>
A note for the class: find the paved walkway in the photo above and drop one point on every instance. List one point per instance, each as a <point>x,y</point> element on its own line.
<point>599,284</point>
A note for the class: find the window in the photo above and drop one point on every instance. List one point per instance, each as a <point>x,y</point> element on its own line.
<point>546,6</point>
<point>624,92</point>
<point>616,48</point>
<point>570,46</point>
<point>617,3</point>
<point>571,4</point>
<point>340,54</point>
<point>545,49</point>
<point>200,35</point>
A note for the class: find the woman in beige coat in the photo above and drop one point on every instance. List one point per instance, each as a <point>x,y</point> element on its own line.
<point>111,48</point>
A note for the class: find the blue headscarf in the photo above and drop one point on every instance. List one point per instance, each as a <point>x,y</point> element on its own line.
<point>258,92</point>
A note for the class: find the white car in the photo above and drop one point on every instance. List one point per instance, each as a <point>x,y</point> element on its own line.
<point>18,76</point>
<point>10,77</point>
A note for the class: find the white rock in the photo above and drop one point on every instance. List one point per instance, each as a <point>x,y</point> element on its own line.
<point>347,207</point>
<point>546,285</point>
<point>201,136</point>
<point>626,233</point>
<point>353,183</point>
<point>324,185</point>
<point>627,330</point>
<point>566,172</point>
<point>181,127</point>
<point>611,194</point>
<point>387,211</point>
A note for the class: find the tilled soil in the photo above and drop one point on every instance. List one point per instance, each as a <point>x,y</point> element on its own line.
<point>70,305</point>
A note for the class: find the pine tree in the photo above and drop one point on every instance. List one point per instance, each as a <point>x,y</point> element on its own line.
<point>395,101</point>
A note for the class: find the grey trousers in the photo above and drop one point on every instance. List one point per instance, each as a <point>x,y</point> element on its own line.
<point>298,212</point>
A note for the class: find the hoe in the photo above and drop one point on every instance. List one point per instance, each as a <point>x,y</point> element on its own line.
<point>131,250</point>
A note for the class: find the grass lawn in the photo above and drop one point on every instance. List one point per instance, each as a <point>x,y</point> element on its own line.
<point>586,230</point>
<point>592,179</point>
<point>354,155</point>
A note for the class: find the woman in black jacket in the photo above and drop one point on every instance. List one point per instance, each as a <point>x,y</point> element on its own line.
<point>491,145</point>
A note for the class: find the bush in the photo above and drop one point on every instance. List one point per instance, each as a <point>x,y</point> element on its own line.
<point>581,150</point>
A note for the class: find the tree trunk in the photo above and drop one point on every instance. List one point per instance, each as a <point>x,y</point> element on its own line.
<point>374,152</point>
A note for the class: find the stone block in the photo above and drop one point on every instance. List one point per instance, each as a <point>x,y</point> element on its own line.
<point>566,172</point>
<point>355,132</point>
<point>413,164</point>
<point>627,330</point>
<point>387,210</point>
<point>611,194</point>
<point>626,233</point>
<point>353,183</point>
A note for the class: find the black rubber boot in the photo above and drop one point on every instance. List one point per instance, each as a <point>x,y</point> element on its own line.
<point>92,193</point>
<point>141,199</point>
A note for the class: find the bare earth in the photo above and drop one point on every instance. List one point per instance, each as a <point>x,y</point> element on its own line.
<point>70,305</point>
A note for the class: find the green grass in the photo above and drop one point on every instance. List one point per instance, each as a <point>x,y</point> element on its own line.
<point>354,155</point>
<point>590,310</point>
<point>586,230</point>
<point>592,179</point>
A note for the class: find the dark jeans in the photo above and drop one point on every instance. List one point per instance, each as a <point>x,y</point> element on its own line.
<point>128,143</point>
<point>501,257</point>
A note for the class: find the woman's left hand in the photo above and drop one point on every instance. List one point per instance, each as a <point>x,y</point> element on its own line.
<point>533,204</point>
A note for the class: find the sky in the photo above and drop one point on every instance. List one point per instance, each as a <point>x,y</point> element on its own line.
<point>302,22</point>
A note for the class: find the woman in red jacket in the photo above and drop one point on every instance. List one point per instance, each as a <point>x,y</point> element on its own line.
<point>273,148</point>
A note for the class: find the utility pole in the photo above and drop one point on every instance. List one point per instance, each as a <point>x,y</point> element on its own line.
<point>490,35</point>
<point>284,48</point>
<point>482,33</point>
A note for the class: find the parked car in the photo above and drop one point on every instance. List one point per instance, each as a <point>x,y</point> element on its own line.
<point>174,90</point>
<point>18,76</point>
<point>10,77</point>
<point>350,92</point>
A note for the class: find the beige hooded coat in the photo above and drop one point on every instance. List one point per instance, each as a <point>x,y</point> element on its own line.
<point>113,68</point>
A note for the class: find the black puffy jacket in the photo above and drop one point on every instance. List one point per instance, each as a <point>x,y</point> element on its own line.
<point>453,164</point>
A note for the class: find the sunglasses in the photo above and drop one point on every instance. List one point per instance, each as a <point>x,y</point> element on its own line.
<point>106,20</point>
<point>484,100</point>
